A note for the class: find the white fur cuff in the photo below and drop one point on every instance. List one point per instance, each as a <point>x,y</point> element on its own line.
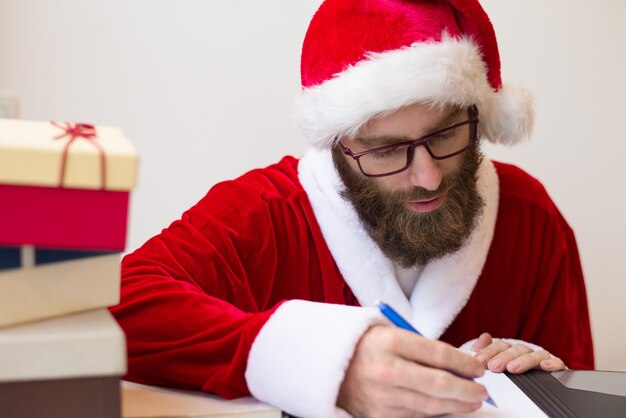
<point>298,360</point>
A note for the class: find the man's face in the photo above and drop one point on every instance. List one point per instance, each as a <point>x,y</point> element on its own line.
<point>426,211</point>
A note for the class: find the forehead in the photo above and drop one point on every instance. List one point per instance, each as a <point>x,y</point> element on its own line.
<point>410,121</point>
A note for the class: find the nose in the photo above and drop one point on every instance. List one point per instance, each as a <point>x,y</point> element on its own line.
<point>424,171</point>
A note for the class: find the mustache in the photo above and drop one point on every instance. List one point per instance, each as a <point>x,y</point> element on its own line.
<point>420,193</point>
<point>449,182</point>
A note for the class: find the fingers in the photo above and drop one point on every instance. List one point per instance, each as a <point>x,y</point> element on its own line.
<point>503,360</point>
<point>432,382</point>
<point>483,341</point>
<point>527,361</point>
<point>489,352</point>
<point>401,399</point>
<point>402,403</point>
<point>553,364</point>
<point>519,358</point>
<point>431,353</point>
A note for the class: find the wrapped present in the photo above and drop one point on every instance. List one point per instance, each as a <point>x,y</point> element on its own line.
<point>66,367</point>
<point>58,288</point>
<point>64,185</point>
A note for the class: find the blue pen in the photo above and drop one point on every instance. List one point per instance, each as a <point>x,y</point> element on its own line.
<point>400,322</point>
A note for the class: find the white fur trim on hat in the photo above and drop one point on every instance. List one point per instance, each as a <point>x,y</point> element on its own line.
<point>450,71</point>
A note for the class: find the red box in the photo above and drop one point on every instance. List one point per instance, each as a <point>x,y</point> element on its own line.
<point>63,218</point>
<point>64,185</point>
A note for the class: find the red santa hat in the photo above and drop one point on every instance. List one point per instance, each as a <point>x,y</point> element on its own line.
<point>363,58</point>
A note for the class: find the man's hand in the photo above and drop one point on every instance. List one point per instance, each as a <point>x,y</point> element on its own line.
<point>396,373</point>
<point>497,355</point>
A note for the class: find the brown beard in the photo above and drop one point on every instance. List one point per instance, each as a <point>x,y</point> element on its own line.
<point>408,237</point>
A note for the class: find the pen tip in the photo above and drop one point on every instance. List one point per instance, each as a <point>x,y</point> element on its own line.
<point>491,402</point>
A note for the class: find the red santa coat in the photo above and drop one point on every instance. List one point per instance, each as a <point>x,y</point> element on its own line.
<point>223,299</point>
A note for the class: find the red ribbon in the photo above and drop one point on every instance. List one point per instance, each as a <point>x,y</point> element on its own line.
<point>75,131</point>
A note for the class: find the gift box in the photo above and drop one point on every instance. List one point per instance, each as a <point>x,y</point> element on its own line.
<point>64,185</point>
<point>64,367</point>
<point>58,288</point>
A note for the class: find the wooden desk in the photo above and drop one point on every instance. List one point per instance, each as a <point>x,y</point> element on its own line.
<point>141,401</point>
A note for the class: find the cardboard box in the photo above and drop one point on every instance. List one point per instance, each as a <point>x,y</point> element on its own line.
<point>65,367</point>
<point>88,344</point>
<point>59,288</point>
<point>64,185</point>
<point>93,397</point>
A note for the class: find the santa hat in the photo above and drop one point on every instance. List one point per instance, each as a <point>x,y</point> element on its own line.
<point>363,58</point>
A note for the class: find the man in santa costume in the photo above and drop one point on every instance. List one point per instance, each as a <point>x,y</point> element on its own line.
<point>268,285</point>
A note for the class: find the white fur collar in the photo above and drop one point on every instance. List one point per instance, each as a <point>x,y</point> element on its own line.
<point>444,286</point>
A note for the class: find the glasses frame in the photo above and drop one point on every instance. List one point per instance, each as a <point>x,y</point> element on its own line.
<point>412,144</point>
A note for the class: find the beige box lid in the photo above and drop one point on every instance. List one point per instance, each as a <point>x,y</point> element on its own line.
<point>88,344</point>
<point>32,154</point>
<point>61,288</point>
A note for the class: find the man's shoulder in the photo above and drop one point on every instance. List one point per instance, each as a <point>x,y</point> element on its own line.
<point>255,192</point>
<point>274,181</point>
<point>517,185</point>
<point>277,179</point>
<point>527,212</point>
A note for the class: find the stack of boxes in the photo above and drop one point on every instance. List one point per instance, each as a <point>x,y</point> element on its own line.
<point>64,193</point>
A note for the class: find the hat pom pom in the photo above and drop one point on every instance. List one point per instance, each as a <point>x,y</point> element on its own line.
<point>508,115</point>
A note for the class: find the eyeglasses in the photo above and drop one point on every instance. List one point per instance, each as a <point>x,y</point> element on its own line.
<point>395,158</point>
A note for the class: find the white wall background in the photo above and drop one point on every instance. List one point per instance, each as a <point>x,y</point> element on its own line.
<point>205,91</point>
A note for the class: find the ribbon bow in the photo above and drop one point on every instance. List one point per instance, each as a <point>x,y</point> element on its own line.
<point>75,131</point>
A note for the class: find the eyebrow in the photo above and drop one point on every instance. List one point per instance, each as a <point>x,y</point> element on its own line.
<point>383,140</point>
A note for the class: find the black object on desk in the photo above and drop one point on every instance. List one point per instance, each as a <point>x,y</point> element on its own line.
<point>575,393</point>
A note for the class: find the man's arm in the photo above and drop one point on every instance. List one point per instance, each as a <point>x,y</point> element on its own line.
<point>189,305</point>
<point>204,304</point>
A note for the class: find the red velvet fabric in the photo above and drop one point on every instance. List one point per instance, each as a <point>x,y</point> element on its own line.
<point>531,287</point>
<point>343,33</point>
<point>195,296</point>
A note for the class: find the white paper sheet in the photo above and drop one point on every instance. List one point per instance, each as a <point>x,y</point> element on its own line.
<point>511,401</point>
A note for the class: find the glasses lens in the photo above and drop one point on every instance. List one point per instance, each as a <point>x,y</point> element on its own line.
<point>449,141</point>
<point>385,161</point>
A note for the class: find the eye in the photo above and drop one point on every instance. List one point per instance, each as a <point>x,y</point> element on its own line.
<point>444,135</point>
<point>389,153</point>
